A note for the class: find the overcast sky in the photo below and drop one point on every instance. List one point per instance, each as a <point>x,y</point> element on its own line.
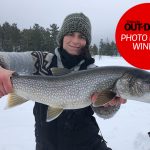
<point>104,14</point>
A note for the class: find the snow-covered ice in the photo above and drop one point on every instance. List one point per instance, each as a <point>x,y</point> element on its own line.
<point>127,130</point>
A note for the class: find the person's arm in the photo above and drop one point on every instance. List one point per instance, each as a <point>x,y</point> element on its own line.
<point>106,112</point>
<point>22,63</point>
<point>28,62</point>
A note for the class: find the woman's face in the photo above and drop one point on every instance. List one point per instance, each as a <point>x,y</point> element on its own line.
<point>73,43</point>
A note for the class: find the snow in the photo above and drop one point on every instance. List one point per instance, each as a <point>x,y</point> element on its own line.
<point>127,130</point>
<point>17,127</point>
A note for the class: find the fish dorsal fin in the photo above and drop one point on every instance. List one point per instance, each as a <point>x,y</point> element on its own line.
<point>60,71</point>
<point>14,100</point>
<point>53,113</point>
<point>103,98</point>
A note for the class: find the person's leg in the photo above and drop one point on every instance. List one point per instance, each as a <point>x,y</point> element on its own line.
<point>99,144</point>
<point>41,146</point>
<point>149,134</point>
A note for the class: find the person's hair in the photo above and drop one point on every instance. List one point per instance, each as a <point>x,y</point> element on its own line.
<point>86,52</point>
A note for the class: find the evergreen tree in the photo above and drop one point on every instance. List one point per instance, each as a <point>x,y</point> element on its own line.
<point>1,38</point>
<point>93,50</point>
<point>36,38</point>
<point>46,40</point>
<point>101,47</point>
<point>25,42</point>
<point>7,43</point>
<point>114,48</point>
<point>107,48</point>
<point>40,39</point>
<point>53,35</point>
<point>15,37</point>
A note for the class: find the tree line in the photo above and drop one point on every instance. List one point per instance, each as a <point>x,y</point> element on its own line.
<point>39,38</point>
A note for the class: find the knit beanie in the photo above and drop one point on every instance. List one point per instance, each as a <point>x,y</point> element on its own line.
<point>76,22</point>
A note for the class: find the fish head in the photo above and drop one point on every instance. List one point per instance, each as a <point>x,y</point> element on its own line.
<point>134,85</point>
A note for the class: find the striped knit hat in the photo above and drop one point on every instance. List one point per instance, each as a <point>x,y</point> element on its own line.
<point>76,22</point>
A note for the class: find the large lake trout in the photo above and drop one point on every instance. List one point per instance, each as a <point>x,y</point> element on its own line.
<point>73,90</point>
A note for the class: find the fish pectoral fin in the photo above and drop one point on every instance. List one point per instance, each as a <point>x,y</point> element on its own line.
<point>103,98</point>
<point>53,113</point>
<point>14,100</point>
<point>59,71</point>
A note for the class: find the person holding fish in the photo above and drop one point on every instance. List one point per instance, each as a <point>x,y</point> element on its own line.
<point>73,129</point>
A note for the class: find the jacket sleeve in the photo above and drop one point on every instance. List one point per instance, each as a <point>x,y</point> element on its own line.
<point>28,62</point>
<point>104,112</point>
